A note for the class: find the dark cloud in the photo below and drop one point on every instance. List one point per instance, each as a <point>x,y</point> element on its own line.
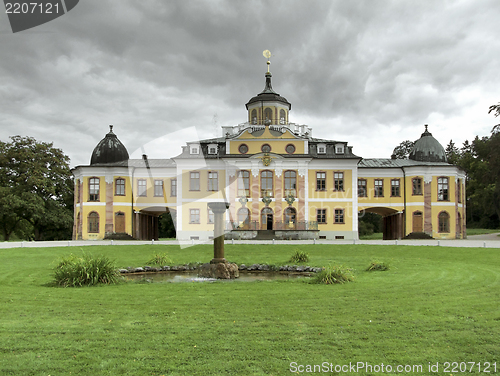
<point>353,70</point>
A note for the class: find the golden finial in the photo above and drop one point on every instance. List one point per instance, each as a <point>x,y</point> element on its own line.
<point>267,54</point>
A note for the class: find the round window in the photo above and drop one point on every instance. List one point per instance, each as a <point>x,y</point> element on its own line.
<point>266,148</point>
<point>243,149</point>
<point>290,149</point>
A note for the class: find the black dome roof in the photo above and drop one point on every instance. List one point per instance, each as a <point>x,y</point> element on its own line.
<point>268,94</point>
<point>428,149</point>
<point>109,150</point>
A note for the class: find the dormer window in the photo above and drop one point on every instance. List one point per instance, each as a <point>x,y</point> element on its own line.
<point>194,149</point>
<point>212,149</point>
<point>339,148</point>
<point>321,148</point>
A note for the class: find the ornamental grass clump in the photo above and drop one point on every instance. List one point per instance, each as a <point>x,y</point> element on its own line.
<point>299,257</point>
<point>378,266</point>
<point>85,270</point>
<point>159,259</point>
<point>334,274</point>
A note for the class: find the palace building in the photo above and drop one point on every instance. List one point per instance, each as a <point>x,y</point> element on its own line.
<point>280,181</point>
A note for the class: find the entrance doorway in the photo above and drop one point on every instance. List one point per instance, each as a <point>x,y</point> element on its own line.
<point>119,222</point>
<point>267,219</point>
<point>418,221</point>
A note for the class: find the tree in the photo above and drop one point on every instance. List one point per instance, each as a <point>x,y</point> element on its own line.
<point>167,224</point>
<point>402,151</point>
<point>35,188</point>
<point>452,153</point>
<point>495,109</point>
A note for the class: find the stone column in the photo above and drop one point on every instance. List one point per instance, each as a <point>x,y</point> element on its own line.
<point>219,267</point>
<point>218,208</point>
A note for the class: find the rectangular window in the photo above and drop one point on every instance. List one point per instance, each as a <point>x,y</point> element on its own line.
<point>321,181</point>
<point>173,187</point>
<point>266,184</point>
<point>290,183</point>
<point>158,188</point>
<point>194,215</point>
<point>142,188</point>
<point>213,181</point>
<point>120,187</point>
<point>210,216</point>
<point>194,181</point>
<point>339,215</point>
<point>321,215</point>
<point>379,188</point>
<point>417,186</point>
<point>361,188</point>
<point>443,189</point>
<point>395,191</point>
<point>243,183</point>
<point>338,181</point>
<point>94,189</point>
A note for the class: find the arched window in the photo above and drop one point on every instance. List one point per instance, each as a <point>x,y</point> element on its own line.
<point>444,222</point>
<point>254,117</point>
<point>282,117</point>
<point>268,115</point>
<point>266,183</point>
<point>93,222</point>
<point>290,183</point>
<point>243,217</point>
<point>94,189</point>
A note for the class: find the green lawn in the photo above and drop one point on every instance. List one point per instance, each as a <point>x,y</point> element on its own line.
<point>436,304</point>
<point>481,231</point>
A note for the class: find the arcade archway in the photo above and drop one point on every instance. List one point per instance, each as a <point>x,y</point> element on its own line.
<point>393,221</point>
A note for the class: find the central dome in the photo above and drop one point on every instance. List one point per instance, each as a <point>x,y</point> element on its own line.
<point>109,150</point>
<point>268,94</point>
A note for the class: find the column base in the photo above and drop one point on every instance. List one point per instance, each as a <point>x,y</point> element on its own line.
<point>219,270</point>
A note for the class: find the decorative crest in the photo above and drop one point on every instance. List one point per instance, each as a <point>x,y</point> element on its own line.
<point>290,198</point>
<point>266,159</point>
<point>243,201</point>
<point>266,200</point>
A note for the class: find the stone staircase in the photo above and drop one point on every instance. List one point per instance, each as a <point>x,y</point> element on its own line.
<point>265,235</point>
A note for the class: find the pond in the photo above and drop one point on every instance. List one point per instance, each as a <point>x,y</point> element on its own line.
<point>175,277</point>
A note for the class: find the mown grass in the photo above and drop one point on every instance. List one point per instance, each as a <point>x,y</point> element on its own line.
<point>481,231</point>
<point>437,304</point>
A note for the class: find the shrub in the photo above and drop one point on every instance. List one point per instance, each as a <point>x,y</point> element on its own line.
<point>159,259</point>
<point>377,265</point>
<point>87,270</point>
<point>334,274</point>
<point>299,256</point>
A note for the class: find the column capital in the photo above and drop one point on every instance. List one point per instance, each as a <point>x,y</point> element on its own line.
<point>218,207</point>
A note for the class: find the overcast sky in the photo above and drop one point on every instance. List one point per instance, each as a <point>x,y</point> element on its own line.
<point>371,72</point>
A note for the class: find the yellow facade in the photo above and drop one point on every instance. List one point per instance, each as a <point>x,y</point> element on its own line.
<point>276,178</point>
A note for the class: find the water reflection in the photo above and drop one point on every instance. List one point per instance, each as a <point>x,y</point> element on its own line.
<point>175,277</point>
